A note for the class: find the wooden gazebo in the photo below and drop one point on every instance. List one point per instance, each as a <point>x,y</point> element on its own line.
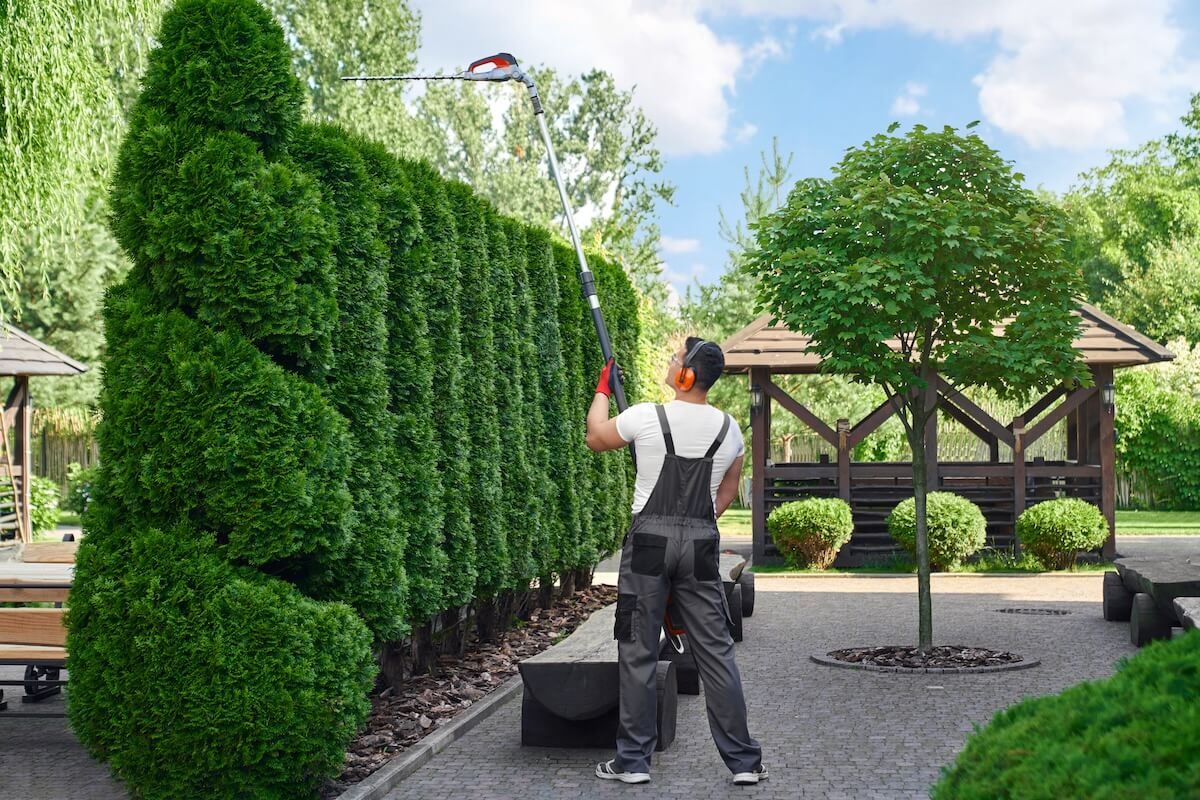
<point>1002,489</point>
<point>21,357</point>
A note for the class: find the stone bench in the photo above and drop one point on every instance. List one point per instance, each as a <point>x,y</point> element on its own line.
<point>1144,592</point>
<point>572,690</point>
<point>1187,609</point>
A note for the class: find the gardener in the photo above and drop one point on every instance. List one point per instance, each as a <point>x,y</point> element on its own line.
<point>689,461</point>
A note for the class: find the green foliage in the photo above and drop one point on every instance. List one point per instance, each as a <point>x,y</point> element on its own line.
<point>232,684</point>
<point>570,326</point>
<point>1128,736</point>
<point>810,532</point>
<point>957,528</point>
<point>1158,437</point>
<point>1055,531</point>
<point>487,458</point>
<point>370,574</point>
<point>43,504</point>
<point>79,493</point>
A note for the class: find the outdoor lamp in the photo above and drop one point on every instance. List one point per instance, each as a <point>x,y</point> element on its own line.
<point>1108,398</point>
<point>756,399</point>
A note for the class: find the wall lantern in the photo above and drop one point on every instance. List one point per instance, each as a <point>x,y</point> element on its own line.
<point>1108,398</point>
<point>756,399</point>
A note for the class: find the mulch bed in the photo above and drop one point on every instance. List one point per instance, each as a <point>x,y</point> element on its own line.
<point>400,719</point>
<point>939,657</point>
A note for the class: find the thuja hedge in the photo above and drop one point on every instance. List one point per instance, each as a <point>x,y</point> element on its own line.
<point>342,396</point>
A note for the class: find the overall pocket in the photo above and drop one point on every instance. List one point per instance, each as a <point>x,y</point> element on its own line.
<point>649,554</point>
<point>706,560</point>
<point>623,626</point>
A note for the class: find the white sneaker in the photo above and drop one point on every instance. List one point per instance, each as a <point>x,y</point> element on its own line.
<point>606,771</point>
<point>751,778</point>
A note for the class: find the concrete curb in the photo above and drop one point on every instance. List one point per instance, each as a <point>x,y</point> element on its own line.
<point>387,777</point>
<point>821,658</point>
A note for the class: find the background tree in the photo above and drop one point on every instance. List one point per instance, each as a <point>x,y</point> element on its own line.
<point>931,240</point>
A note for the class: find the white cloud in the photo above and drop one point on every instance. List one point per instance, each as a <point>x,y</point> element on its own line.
<point>745,132</point>
<point>1064,72</point>
<point>908,102</point>
<point>669,244</point>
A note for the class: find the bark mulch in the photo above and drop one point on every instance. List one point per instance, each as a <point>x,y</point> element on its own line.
<point>940,657</point>
<point>400,719</point>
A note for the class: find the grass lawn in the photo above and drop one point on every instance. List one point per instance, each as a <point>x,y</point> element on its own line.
<point>68,518</point>
<point>1143,523</point>
<point>1000,561</point>
<point>735,522</point>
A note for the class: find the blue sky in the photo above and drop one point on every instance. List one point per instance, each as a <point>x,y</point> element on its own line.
<point>1056,83</point>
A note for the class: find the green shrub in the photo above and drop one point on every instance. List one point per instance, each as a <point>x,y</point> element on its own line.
<point>1055,531</point>
<point>196,678</point>
<point>956,526</point>
<point>1132,735</point>
<point>1158,438</point>
<point>43,504</point>
<point>79,487</point>
<point>810,532</point>
<point>572,549</point>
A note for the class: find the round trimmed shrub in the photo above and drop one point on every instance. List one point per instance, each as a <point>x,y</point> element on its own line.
<point>1132,735</point>
<point>957,528</point>
<point>43,504</point>
<point>1055,531</point>
<point>810,532</point>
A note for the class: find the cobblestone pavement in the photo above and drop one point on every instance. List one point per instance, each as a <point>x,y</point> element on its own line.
<point>826,732</point>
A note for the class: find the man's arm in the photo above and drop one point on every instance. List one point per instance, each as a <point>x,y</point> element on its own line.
<point>728,490</point>
<point>601,431</point>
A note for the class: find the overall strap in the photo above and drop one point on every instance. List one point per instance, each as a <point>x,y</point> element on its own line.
<point>666,429</point>
<point>716,445</point>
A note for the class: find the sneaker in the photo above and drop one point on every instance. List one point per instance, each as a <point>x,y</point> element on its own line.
<point>751,778</point>
<point>606,771</point>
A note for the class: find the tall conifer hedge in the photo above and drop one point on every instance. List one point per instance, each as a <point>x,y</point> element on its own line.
<point>342,396</point>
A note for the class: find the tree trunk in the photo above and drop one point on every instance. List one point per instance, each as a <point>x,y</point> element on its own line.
<point>545,591</point>
<point>920,490</point>
<point>583,577</point>
<point>566,583</point>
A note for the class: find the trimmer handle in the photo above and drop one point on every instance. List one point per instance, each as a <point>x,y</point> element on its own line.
<point>494,63</point>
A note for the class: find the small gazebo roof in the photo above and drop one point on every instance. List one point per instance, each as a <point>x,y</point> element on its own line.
<point>1102,340</point>
<point>23,355</point>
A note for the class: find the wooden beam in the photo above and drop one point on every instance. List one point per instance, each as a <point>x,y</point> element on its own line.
<point>37,626</point>
<point>1108,466</point>
<point>807,417</point>
<point>843,465</point>
<point>966,420</point>
<point>50,552</point>
<point>1018,432</point>
<point>931,436</point>
<point>985,419</point>
<point>1073,401</point>
<point>1045,402</point>
<point>19,595</point>
<point>758,461</point>
<point>870,423</point>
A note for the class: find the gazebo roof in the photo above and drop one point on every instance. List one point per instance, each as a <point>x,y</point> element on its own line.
<point>21,354</point>
<point>1102,340</point>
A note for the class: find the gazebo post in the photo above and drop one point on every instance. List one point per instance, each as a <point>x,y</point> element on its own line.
<point>759,426</point>
<point>22,449</point>
<point>1103,374</point>
<point>843,465</point>
<point>931,436</point>
<point>1018,453</point>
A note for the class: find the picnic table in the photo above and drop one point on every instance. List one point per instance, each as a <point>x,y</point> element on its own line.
<point>1144,591</point>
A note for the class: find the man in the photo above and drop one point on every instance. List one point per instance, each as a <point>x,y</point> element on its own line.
<point>689,461</point>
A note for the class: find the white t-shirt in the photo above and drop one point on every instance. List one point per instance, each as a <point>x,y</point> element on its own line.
<point>694,427</point>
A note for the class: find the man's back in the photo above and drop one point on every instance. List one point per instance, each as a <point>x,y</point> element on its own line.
<point>694,426</point>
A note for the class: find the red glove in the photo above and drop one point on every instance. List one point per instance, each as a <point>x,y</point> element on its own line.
<point>605,385</point>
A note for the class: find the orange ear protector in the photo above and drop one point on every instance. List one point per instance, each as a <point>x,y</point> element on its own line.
<point>685,379</point>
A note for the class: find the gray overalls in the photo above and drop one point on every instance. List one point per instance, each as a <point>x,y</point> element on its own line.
<point>672,548</point>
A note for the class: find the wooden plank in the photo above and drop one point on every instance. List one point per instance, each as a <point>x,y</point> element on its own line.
<point>801,472</point>
<point>985,419</point>
<point>26,654</point>
<point>870,423</point>
<point>1108,470</point>
<point>1072,402</point>
<point>20,595</point>
<point>758,462</point>
<point>50,552</point>
<point>1069,471</point>
<point>807,417</point>
<point>1045,402</point>
<point>38,626</point>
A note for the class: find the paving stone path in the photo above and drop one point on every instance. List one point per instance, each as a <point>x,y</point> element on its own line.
<point>827,733</point>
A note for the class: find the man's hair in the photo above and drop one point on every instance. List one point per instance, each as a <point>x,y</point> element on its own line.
<point>708,363</point>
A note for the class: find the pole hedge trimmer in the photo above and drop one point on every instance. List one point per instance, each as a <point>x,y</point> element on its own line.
<point>498,69</point>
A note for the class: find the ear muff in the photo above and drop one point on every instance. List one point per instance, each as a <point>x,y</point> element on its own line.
<point>685,379</point>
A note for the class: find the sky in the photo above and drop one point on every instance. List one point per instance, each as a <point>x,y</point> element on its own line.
<point>1056,84</point>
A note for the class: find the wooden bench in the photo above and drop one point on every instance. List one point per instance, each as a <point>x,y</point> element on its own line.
<point>1144,590</point>
<point>572,690</point>
<point>35,637</point>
